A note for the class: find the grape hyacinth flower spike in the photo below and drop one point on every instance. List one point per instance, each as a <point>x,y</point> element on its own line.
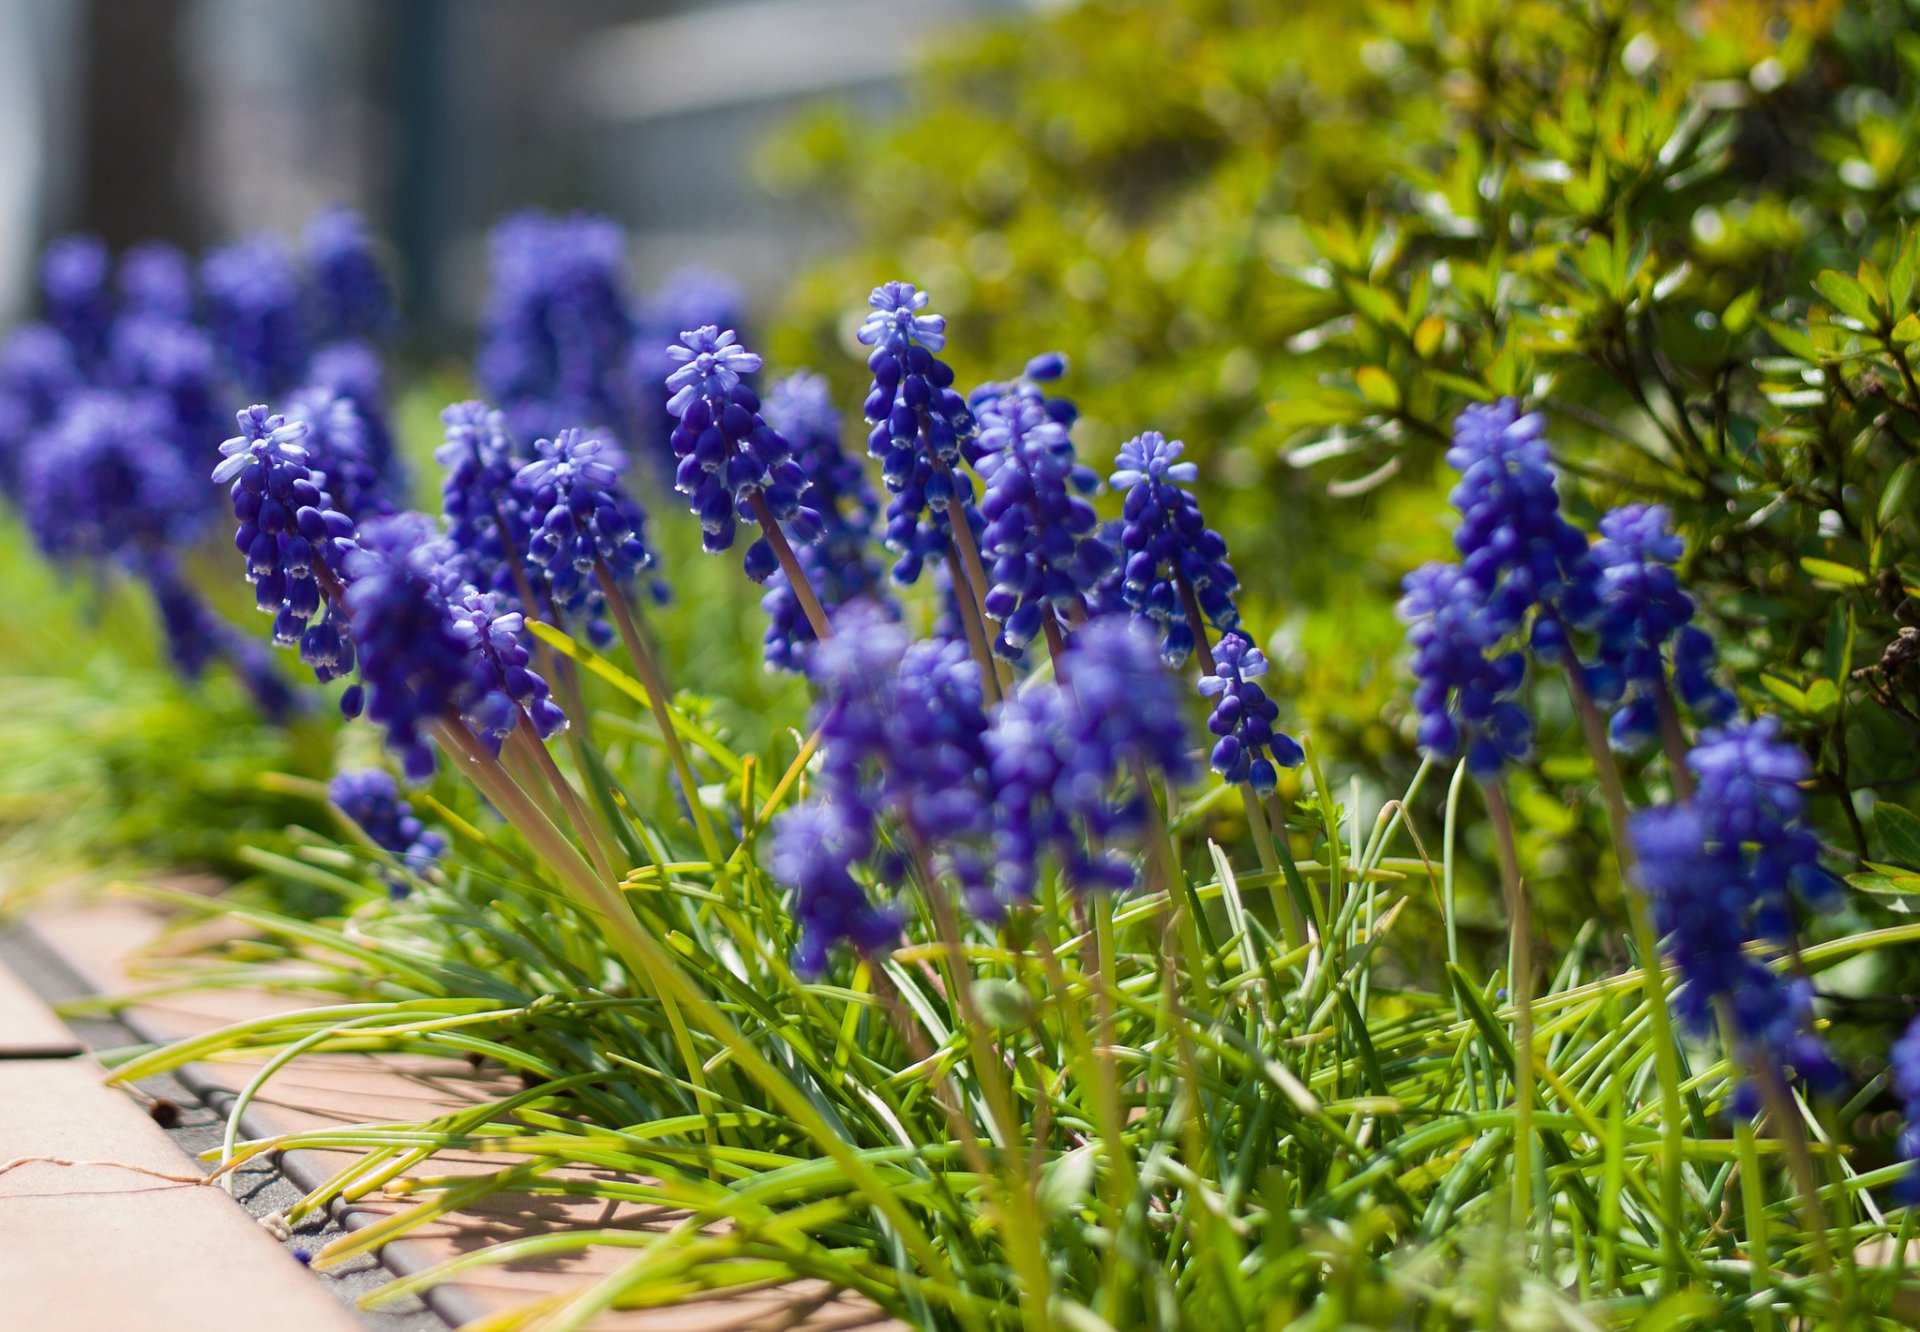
<point>1176,573</point>
<point>1645,621</point>
<point>481,508</point>
<point>1904,1064</point>
<point>1243,716</point>
<point>586,535</point>
<point>1465,678</point>
<point>1059,750</point>
<point>1703,905</point>
<point>840,565</point>
<point>734,466</point>
<point>1041,534</point>
<point>920,428</point>
<point>372,801</point>
<point>294,540</point>
<point>1511,537</point>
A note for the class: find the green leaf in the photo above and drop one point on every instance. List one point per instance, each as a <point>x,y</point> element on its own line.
<point>1827,571</point>
<point>1791,695</point>
<point>1900,831</point>
<point>1377,386</point>
<point>1907,330</point>
<point>1847,295</point>
<point>1823,696</point>
<point>1740,311</point>
<point>1905,264</point>
<point>1794,340</point>
<point>1893,500</point>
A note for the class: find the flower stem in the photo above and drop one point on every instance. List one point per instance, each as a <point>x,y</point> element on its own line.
<point>1520,984</point>
<point>976,579</point>
<point>645,662</point>
<point>790,565</point>
<point>1197,621</point>
<point>1674,740</point>
<point>1653,973</point>
<point>973,625</point>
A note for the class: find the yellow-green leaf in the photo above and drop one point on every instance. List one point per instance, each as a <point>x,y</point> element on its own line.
<point>1829,572</point>
<point>1377,386</point>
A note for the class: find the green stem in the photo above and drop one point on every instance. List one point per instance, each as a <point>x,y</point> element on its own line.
<point>1520,984</point>
<point>1666,1051</point>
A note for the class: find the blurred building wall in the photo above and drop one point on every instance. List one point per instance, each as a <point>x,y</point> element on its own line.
<point>205,120</point>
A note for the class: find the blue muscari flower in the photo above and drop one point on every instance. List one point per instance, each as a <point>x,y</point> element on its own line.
<point>689,298</point>
<point>293,537</point>
<point>919,426</point>
<point>1704,907</point>
<point>336,445</point>
<point>505,686</point>
<point>1511,538</point>
<point>347,292</point>
<point>902,728</point>
<point>840,564</point>
<point>1057,753</point>
<point>815,847</point>
<point>156,279</point>
<point>1243,718</point>
<point>353,370</point>
<point>75,282</point>
<point>1644,620</point>
<point>484,518</point>
<point>103,479</point>
<point>37,373</point>
<point>416,661</point>
<point>1164,543</point>
<point>37,366</point>
<point>1041,538</point>
<point>579,517</point>
<point>371,799</point>
<point>556,328</point>
<point>1903,1063</point>
<point>253,311</point>
<point>1749,794</point>
<point>177,361</point>
<point>727,451</point>
<point>1465,680</point>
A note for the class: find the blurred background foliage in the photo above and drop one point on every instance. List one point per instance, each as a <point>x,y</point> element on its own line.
<point>1302,236</point>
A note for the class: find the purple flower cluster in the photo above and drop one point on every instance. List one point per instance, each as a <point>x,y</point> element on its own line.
<point>414,658</point>
<point>1057,753</point>
<point>688,298</point>
<point>253,301</point>
<point>557,327</point>
<point>505,687</point>
<point>102,480</point>
<point>1903,1062</point>
<point>1041,537</point>
<point>1465,681</point>
<point>348,291</point>
<point>919,425</point>
<point>480,506</point>
<point>1644,619</point>
<point>372,800</point>
<point>579,519</point>
<point>156,279</point>
<point>75,278</point>
<point>1243,718</point>
<point>1704,906</point>
<point>1511,538</point>
<point>293,537</point>
<point>1168,549</point>
<point>1750,797</point>
<point>840,564</point>
<point>338,452</point>
<point>728,453</point>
